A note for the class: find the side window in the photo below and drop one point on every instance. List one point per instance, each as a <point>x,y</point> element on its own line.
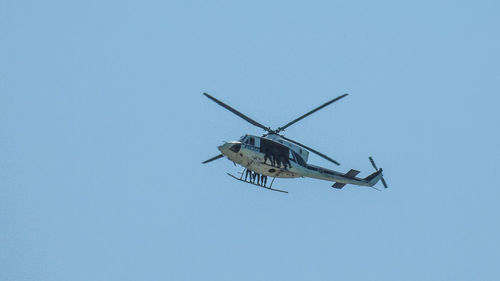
<point>252,141</point>
<point>299,159</point>
<point>292,157</point>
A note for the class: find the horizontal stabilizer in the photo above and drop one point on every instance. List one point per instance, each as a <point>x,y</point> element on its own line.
<point>352,173</point>
<point>338,185</point>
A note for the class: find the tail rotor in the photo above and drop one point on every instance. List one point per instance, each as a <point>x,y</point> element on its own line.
<point>375,166</point>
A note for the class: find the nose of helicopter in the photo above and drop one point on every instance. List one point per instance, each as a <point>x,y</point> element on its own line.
<point>223,148</point>
<point>230,147</point>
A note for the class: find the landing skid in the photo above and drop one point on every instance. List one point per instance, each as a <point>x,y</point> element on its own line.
<point>270,188</point>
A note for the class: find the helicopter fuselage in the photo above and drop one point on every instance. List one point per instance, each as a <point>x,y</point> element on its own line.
<point>248,154</point>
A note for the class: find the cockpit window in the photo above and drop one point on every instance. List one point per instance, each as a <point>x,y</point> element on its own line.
<point>252,141</point>
<point>235,147</point>
<point>245,139</point>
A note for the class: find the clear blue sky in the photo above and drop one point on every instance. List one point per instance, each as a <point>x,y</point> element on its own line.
<point>103,128</point>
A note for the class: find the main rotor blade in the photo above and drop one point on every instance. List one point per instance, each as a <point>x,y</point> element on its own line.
<point>248,119</point>
<point>309,113</point>
<point>212,159</point>
<point>312,150</point>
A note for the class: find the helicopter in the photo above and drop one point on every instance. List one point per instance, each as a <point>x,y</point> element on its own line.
<point>276,156</point>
